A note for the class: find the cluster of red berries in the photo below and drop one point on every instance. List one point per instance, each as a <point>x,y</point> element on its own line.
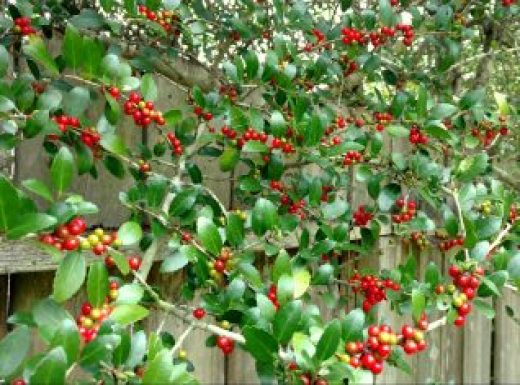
<point>352,157</point>
<point>419,239</point>
<point>489,134</point>
<point>349,66</point>
<point>372,353</point>
<point>226,345</point>
<point>508,3</point>
<point>306,378</point>
<point>98,241</point>
<point>64,122</point>
<point>91,317</point>
<point>90,137</point>
<point>325,190</point>
<point>199,313</point>
<point>382,118</point>
<point>373,288</point>
<point>408,33</point>
<point>276,185</point>
<point>296,208</point>
<point>272,296</point>
<point>66,236</point>
<point>407,211</point>
<point>143,112</point>
<point>394,3</point>
<point>448,245</point>
<point>207,116</point>
<point>361,216</point>
<point>320,36</point>
<point>352,36</point>
<point>144,167</point>
<point>175,143</point>
<point>22,25</point>
<point>251,134</point>
<point>467,282</point>
<point>416,136</point>
<point>280,144</point>
<point>229,91</point>
<point>166,19</point>
<point>222,263</point>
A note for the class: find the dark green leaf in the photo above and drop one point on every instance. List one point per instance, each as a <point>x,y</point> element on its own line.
<point>69,276</point>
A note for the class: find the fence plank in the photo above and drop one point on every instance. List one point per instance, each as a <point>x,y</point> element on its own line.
<point>507,340</point>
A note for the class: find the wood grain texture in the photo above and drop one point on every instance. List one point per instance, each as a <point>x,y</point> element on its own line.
<point>507,340</point>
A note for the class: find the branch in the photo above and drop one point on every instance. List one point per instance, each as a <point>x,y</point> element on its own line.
<point>180,341</point>
<point>455,197</point>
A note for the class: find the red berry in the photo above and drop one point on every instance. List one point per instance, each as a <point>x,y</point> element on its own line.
<point>219,266</point>
<point>464,309</point>
<point>199,313</point>
<point>18,381</point>
<point>134,262</point>
<point>459,321</point>
<point>71,244</point>
<point>410,347</point>
<point>407,331</point>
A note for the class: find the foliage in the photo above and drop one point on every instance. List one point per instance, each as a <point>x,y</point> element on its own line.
<point>297,102</point>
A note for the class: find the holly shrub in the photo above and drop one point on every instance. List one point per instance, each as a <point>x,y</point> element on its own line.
<point>297,102</point>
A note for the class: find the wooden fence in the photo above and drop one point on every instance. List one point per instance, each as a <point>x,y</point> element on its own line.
<point>484,351</point>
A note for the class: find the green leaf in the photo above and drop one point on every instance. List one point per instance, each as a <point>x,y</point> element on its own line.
<point>352,325</point>
<point>208,234</point>
<point>130,233</point>
<point>422,101</point>
<point>13,349</point>
<point>485,308</point>
<point>130,294</point>
<point>334,209</point>
<point>173,117</point>
<point>251,275</point>
<point>62,170</point>
<point>513,268</point>
<point>9,204</point>
<point>260,344</point>
<point>67,336</point>
<point>329,341</point>
<point>174,262</point>
<point>442,111</point>
<point>432,274</point>
<point>388,195</point>
<point>264,216</point>
<point>113,143</point>
<point>286,321</point>
<point>49,315</point>
<point>418,304</point>
<point>386,12</point>
<point>6,104</point>
<point>229,158</point>
<point>37,51</point>
<point>161,370</point>
<point>51,369</point>
<point>492,284</point>
<point>97,283</point>
<point>255,146</point>
<point>4,61</point>
<point>472,166</point>
<point>99,350</point>
<point>282,265</point>
<point>234,230</point>
<point>148,88</point>
<point>471,98</point>
<point>277,124</point>
<point>69,276</point>
<point>313,131</point>
<point>501,101</point>
<point>126,314</point>
<point>30,223</point>
<point>76,101</point>
<point>302,280</point>
<point>72,48</point>
<point>397,131</point>
<point>39,188</point>
<point>252,64</point>
<point>183,202</point>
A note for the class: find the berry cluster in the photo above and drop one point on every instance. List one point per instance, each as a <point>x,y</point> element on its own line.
<point>416,136</point>
<point>223,263</point>
<point>352,36</point>
<point>175,143</point>
<point>229,91</point>
<point>22,25</point>
<point>66,236</point>
<point>91,317</point>
<point>420,239</point>
<point>407,211</point>
<point>272,296</point>
<point>226,345</point>
<point>372,353</point>
<point>408,33</point>
<point>508,3</point>
<point>143,112</point>
<point>283,145</point>
<point>466,283</point>
<point>361,216</point>
<point>144,167</point>
<point>513,214</point>
<point>64,122</point>
<point>295,207</point>
<point>349,66</point>
<point>352,157</point>
<point>373,289</point>
<point>325,190</point>
<point>276,185</point>
<point>90,137</point>
<point>166,19</point>
<point>207,116</point>
<point>382,118</point>
<point>448,245</point>
<point>98,241</point>
<point>251,134</point>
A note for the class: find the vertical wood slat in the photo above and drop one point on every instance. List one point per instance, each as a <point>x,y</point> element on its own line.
<point>507,340</point>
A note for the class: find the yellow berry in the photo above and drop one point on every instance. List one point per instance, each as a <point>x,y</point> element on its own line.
<point>457,302</point>
<point>99,232</point>
<point>183,354</point>
<point>225,324</point>
<point>87,322</point>
<point>450,288</point>
<point>113,293</point>
<point>117,243</point>
<point>384,337</point>
<point>85,244</point>
<point>418,336</point>
<point>345,358</point>
<point>93,239</point>
<point>95,313</point>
